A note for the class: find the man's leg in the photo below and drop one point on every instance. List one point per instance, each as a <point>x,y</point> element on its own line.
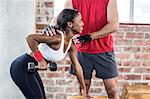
<point>88,84</point>
<point>87,66</point>
<point>111,86</point>
<point>106,68</point>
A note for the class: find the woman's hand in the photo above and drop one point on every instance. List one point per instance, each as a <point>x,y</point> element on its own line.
<point>83,92</point>
<point>42,64</point>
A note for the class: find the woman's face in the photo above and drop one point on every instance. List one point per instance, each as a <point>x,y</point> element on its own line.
<point>78,24</point>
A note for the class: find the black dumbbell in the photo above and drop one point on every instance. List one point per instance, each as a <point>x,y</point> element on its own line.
<point>52,66</point>
<point>33,68</point>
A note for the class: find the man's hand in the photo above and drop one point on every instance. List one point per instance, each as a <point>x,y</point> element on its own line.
<point>50,31</point>
<point>84,38</point>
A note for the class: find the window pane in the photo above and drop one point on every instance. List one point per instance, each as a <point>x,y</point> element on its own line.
<point>142,11</point>
<point>123,10</point>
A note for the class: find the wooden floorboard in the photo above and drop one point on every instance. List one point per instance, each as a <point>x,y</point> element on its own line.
<point>81,97</point>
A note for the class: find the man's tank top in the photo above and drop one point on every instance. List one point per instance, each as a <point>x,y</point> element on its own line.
<point>94,16</point>
<point>54,55</point>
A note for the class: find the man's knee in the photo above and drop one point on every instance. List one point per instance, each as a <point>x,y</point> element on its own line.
<point>111,86</point>
<point>112,91</point>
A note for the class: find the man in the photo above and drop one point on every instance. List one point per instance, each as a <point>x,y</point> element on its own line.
<point>100,19</point>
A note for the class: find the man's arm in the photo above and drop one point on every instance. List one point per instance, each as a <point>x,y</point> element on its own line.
<point>68,4</point>
<point>112,18</point>
<point>50,30</point>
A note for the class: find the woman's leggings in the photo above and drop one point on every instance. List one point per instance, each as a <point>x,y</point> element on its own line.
<point>29,83</point>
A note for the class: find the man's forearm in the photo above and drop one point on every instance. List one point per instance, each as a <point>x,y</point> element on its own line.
<point>107,29</point>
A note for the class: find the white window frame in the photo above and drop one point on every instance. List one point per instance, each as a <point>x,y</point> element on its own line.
<point>132,15</point>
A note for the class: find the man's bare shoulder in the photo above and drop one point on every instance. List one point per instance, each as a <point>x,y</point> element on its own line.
<point>68,4</point>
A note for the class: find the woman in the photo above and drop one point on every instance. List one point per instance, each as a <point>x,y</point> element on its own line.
<point>45,49</point>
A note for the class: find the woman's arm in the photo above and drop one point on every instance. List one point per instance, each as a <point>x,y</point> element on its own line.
<point>33,40</point>
<point>78,69</point>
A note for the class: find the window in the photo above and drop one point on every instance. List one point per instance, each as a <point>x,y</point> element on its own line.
<point>130,11</point>
<point>123,10</point>
<point>134,11</point>
<point>142,11</point>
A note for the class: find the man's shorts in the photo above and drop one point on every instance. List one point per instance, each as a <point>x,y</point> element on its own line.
<point>103,63</point>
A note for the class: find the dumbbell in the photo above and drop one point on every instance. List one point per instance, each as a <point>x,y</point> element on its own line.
<point>52,66</point>
<point>33,68</point>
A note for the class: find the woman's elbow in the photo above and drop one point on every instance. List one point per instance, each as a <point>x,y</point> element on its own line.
<point>29,37</point>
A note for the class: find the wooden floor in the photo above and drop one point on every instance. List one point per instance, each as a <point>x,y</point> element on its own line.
<point>135,96</point>
<point>81,97</point>
<point>136,92</point>
<point>128,92</point>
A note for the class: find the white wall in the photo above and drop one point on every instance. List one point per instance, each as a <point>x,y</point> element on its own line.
<point>17,19</point>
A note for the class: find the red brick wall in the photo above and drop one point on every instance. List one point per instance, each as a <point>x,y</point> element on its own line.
<point>132,49</point>
<point>44,13</point>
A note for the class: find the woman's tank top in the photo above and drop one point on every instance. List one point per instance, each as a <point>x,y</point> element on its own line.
<point>54,55</point>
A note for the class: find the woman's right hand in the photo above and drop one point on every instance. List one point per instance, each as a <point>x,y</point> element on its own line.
<point>42,64</point>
